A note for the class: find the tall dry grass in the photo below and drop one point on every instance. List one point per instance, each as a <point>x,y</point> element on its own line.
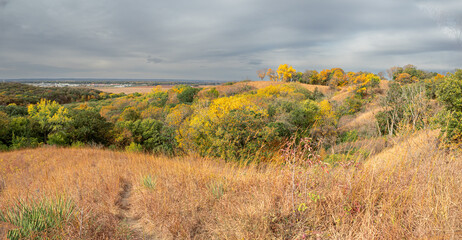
<point>411,191</point>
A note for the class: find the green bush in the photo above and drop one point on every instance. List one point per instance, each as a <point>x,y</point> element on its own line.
<point>354,104</point>
<point>150,134</point>
<point>134,147</point>
<point>212,93</point>
<point>187,94</point>
<point>58,138</point>
<point>24,142</point>
<point>348,136</point>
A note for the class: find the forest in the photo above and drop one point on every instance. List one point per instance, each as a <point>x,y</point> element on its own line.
<point>324,152</point>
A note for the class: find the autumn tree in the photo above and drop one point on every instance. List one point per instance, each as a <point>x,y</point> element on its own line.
<point>273,76</point>
<point>391,72</point>
<point>51,116</point>
<point>286,72</point>
<point>310,77</point>
<point>262,73</point>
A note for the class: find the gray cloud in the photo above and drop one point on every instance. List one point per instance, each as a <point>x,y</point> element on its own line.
<point>154,60</point>
<point>223,39</point>
<point>3,3</point>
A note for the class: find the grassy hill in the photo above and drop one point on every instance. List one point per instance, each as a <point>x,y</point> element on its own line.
<point>409,190</point>
<point>353,158</point>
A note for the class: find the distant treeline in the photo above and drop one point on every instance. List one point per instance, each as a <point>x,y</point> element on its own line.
<point>23,94</point>
<point>137,82</point>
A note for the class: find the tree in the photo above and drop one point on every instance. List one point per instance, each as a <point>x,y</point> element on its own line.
<point>391,72</point>
<point>311,77</point>
<point>51,116</point>
<point>405,78</point>
<point>4,128</point>
<point>262,73</point>
<point>285,72</point>
<point>130,114</point>
<point>449,92</point>
<point>273,76</point>
<point>88,126</point>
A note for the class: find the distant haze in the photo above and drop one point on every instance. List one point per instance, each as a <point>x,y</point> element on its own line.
<point>223,39</point>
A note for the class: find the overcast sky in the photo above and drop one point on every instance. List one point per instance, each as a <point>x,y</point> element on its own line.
<point>223,39</point>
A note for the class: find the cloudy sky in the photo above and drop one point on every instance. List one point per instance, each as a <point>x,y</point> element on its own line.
<point>223,39</point>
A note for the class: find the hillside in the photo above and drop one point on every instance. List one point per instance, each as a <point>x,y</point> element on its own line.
<point>355,158</point>
<point>409,190</point>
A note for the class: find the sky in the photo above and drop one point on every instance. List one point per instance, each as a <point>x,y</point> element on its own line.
<point>223,39</point>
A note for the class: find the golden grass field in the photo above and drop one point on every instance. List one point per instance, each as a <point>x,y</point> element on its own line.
<point>410,190</point>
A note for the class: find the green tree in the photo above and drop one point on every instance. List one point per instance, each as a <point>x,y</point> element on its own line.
<point>4,129</point>
<point>450,92</point>
<point>88,126</point>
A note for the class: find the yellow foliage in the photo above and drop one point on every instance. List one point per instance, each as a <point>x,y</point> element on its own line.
<point>326,114</point>
<point>275,90</point>
<point>285,72</point>
<point>178,114</point>
<point>222,106</point>
<point>439,77</point>
<point>152,112</point>
<point>156,89</point>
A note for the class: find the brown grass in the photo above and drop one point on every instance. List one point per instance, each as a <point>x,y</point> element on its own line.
<point>409,191</point>
<point>130,90</point>
<point>225,89</point>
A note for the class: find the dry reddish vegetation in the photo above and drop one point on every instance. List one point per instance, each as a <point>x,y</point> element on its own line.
<point>129,90</point>
<point>410,190</point>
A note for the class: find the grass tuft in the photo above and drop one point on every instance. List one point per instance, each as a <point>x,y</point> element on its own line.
<point>37,218</point>
<point>149,182</point>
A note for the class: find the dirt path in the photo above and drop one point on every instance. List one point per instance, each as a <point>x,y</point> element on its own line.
<point>125,214</point>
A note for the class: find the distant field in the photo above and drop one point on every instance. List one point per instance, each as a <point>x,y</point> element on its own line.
<point>263,84</point>
<point>129,90</point>
<point>256,84</point>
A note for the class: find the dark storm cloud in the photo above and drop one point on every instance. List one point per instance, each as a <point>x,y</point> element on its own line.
<point>223,39</point>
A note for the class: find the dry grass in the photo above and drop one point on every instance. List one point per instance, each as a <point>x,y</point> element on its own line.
<point>411,190</point>
<point>130,90</point>
<point>251,85</point>
<point>364,122</point>
<point>263,84</point>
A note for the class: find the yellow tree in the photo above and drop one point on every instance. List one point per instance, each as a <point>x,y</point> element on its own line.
<point>51,116</point>
<point>285,72</point>
<point>262,73</point>
<point>324,76</point>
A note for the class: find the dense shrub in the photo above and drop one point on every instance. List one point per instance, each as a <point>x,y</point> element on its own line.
<point>404,105</point>
<point>151,134</point>
<point>450,92</point>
